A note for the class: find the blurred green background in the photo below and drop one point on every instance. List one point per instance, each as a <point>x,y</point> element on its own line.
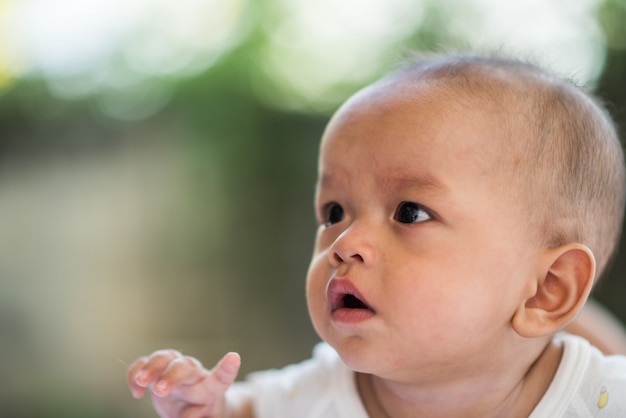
<point>157,166</point>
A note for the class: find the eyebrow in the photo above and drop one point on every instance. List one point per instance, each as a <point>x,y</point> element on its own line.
<point>323,180</point>
<point>424,182</point>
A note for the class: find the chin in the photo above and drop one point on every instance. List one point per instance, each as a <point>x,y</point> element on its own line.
<point>357,354</point>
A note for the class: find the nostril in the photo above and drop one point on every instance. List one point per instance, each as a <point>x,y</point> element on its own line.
<point>358,257</point>
<point>354,257</point>
<point>337,258</point>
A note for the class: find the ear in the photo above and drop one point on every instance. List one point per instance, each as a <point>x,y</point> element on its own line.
<point>559,291</point>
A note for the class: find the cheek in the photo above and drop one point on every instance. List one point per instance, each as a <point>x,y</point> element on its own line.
<point>445,317</point>
<point>440,294</point>
<point>316,285</point>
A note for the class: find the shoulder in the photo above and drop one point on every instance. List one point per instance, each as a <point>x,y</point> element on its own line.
<point>579,354</point>
<point>321,386</point>
<point>603,386</point>
<point>586,383</point>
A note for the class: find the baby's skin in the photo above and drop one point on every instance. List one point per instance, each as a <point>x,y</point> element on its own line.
<point>180,386</point>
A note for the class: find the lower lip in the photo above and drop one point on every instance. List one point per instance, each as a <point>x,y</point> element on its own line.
<point>351,316</point>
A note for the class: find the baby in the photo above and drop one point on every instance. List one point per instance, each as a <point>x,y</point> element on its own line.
<point>466,206</point>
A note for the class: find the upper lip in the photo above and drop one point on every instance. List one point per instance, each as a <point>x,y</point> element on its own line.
<point>342,293</point>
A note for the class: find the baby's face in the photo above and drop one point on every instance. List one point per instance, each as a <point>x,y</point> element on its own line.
<point>420,259</point>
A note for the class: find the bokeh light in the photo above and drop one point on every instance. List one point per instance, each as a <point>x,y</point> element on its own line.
<point>6,70</point>
<point>310,55</point>
<point>319,52</point>
<point>565,37</point>
<point>125,53</point>
<point>317,49</point>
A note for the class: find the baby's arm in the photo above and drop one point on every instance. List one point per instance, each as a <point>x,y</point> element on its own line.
<point>182,388</point>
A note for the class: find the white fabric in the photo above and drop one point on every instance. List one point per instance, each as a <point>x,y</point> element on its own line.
<point>321,387</point>
<point>587,384</point>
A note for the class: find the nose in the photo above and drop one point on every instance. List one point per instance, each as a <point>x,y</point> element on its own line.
<point>353,245</point>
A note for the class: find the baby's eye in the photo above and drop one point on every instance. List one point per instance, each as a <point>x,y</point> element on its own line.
<point>333,214</point>
<point>409,212</point>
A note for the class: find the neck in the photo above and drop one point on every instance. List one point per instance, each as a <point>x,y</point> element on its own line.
<point>501,395</point>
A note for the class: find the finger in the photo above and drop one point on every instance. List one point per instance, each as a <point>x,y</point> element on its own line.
<point>219,380</point>
<point>226,370</point>
<point>136,390</point>
<point>156,364</point>
<point>181,371</point>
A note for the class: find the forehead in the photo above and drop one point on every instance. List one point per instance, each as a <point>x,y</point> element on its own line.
<point>400,128</point>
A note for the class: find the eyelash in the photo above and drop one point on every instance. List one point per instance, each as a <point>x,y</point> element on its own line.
<point>330,211</point>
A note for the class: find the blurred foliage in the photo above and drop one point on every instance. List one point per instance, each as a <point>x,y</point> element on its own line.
<point>191,228</point>
<point>612,89</point>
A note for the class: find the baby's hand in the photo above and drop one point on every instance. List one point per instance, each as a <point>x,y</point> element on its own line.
<point>180,386</point>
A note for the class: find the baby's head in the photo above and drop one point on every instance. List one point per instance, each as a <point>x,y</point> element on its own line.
<point>461,202</point>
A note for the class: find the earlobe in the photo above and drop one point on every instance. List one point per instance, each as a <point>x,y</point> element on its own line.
<point>560,290</point>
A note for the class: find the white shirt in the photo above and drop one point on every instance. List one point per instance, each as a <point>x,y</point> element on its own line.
<point>586,384</point>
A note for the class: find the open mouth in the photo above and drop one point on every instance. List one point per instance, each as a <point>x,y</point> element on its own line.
<point>342,294</point>
<point>352,302</point>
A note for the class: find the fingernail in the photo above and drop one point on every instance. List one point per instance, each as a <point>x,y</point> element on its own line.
<point>142,377</point>
<point>232,366</point>
<point>161,387</point>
